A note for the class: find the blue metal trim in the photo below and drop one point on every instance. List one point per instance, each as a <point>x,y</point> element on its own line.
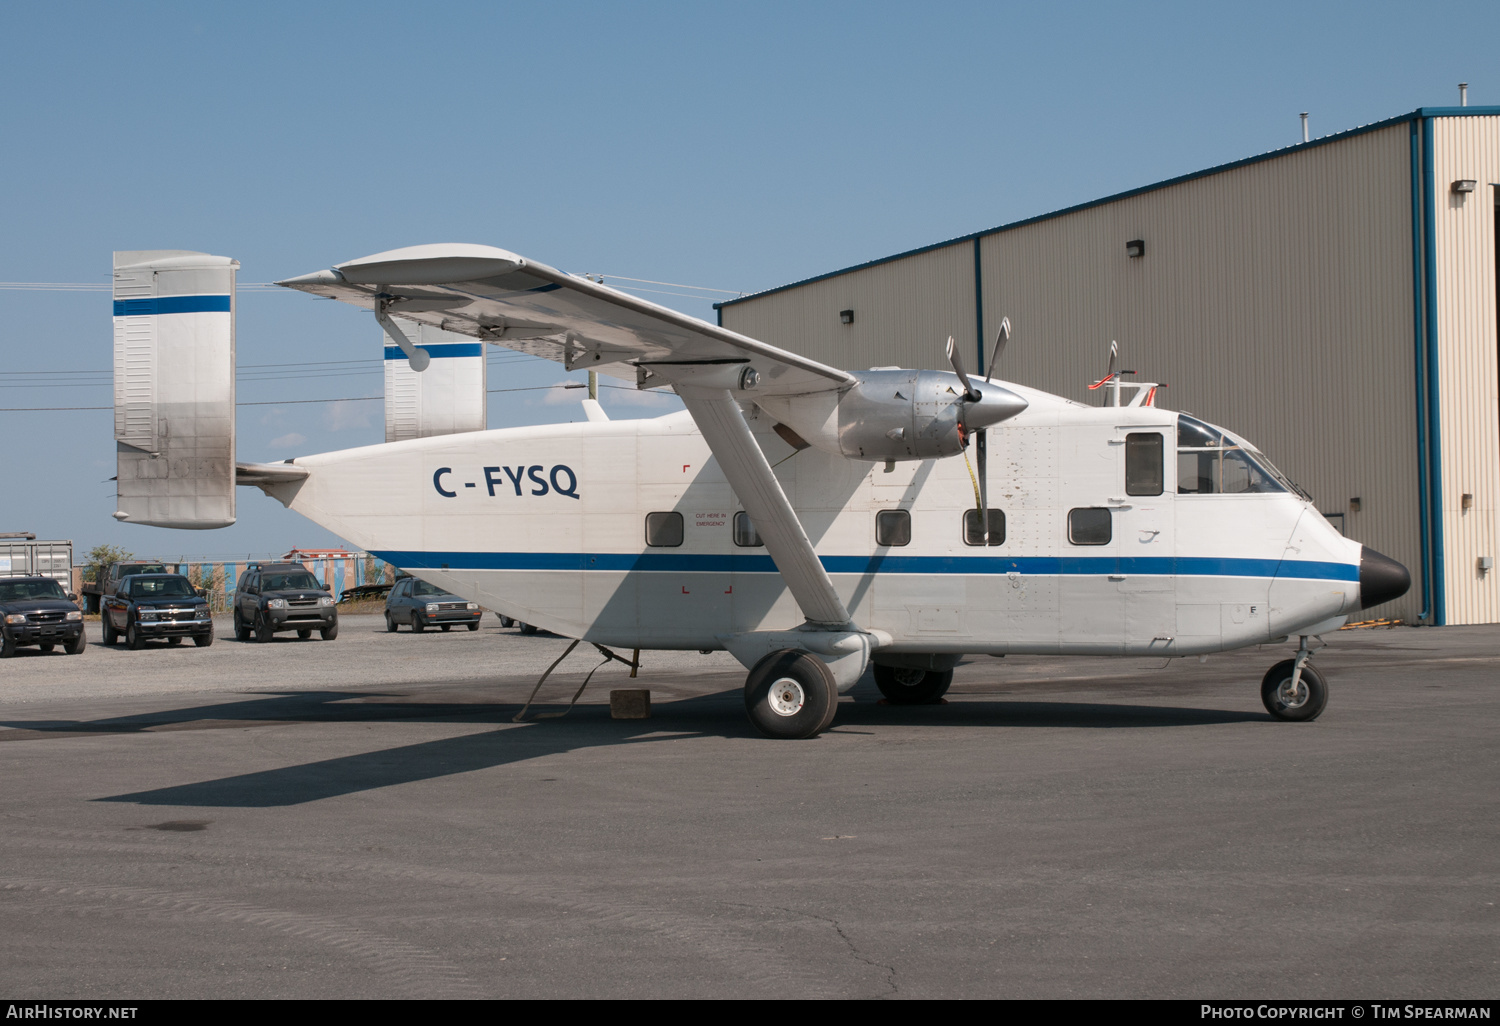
<point>1416,115</point>
<point>171,305</point>
<point>978,307</point>
<point>1434,407</point>
<point>440,350</point>
<point>1419,354</point>
<point>1030,566</point>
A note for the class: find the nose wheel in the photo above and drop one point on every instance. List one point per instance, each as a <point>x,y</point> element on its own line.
<point>1292,690</point>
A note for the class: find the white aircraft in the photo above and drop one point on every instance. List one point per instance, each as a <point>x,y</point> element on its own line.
<point>809,520</point>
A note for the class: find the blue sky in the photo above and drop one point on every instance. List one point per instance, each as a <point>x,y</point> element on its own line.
<point>729,146</point>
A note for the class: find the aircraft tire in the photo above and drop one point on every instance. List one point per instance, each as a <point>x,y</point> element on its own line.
<point>902,686</point>
<point>527,628</point>
<point>1311,697</point>
<point>506,621</point>
<point>791,695</point>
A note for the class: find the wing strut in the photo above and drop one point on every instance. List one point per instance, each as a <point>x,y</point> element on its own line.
<point>749,474</point>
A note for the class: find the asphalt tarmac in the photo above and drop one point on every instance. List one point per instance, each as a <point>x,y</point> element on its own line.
<point>362,818</point>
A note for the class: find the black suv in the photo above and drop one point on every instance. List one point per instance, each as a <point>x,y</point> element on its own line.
<point>275,597</point>
<point>36,611</point>
<point>146,606</point>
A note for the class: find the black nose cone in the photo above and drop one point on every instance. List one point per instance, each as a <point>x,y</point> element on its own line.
<point>1381,578</point>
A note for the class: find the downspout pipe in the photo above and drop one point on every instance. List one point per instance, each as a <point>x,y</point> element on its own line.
<point>1434,407</point>
<point>979,308</point>
<point>1420,356</point>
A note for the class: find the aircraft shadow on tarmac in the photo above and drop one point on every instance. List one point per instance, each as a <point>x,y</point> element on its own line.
<point>587,726</point>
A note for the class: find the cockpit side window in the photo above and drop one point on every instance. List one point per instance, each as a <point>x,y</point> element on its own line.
<point>1211,461</point>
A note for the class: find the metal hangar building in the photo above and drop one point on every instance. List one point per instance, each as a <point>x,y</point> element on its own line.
<point>1334,302</point>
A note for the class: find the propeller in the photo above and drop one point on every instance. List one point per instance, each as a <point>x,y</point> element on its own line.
<point>971,394</point>
<point>981,436</point>
<point>999,348</point>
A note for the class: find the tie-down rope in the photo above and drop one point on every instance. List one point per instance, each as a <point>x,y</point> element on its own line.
<point>634,665</point>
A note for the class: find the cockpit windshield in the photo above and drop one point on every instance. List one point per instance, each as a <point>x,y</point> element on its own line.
<point>1212,461</point>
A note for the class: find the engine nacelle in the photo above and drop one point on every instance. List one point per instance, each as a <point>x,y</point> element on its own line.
<point>894,415</point>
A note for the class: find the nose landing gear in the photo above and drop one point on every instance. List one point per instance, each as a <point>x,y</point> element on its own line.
<point>1292,690</point>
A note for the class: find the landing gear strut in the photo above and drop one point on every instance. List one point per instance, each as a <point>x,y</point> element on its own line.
<point>1292,690</point>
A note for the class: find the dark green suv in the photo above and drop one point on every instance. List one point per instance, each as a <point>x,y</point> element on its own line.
<point>275,597</point>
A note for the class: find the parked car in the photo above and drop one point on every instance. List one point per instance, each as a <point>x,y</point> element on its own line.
<point>147,606</point>
<point>94,591</point>
<point>275,597</point>
<point>422,605</point>
<point>36,611</point>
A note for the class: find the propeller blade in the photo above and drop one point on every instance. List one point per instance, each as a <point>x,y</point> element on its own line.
<point>971,393</point>
<point>999,349</point>
<point>1114,352</point>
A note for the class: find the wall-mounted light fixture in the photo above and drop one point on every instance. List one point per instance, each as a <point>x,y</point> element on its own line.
<point>1135,248</point>
<point>1466,502</point>
<point>846,316</point>
<point>1354,504</point>
<point>1464,185</point>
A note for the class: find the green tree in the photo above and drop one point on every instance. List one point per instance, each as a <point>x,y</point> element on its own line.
<point>101,558</point>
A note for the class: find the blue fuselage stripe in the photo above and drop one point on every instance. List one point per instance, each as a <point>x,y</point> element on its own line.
<point>723,563</point>
<point>440,351</point>
<point>171,305</point>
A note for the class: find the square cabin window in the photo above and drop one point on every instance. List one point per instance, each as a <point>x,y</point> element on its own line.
<point>893,527</point>
<point>664,530</point>
<point>1089,525</point>
<point>973,532</point>
<point>1145,463</point>
<point>745,534</point>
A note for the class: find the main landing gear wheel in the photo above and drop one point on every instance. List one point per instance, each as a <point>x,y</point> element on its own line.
<point>526,628</point>
<point>903,686</point>
<point>1304,702</point>
<point>506,621</point>
<point>791,694</point>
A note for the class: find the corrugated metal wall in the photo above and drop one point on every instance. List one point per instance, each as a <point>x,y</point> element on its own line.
<point>1469,379</point>
<point>1273,298</point>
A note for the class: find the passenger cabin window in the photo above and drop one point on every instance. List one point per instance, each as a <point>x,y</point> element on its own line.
<point>664,530</point>
<point>974,527</point>
<point>1145,463</point>
<point>893,527</point>
<point>745,534</point>
<point>1210,462</point>
<point>1090,525</point>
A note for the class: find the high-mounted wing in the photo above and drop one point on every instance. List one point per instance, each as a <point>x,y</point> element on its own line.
<point>501,297</point>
